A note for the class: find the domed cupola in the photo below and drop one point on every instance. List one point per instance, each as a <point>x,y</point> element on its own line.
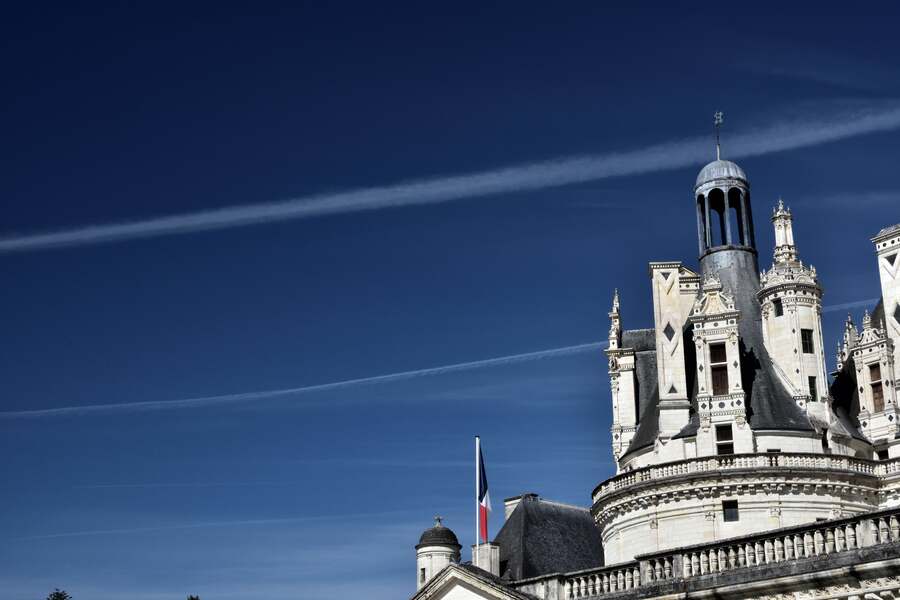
<point>437,548</point>
<point>722,194</point>
<point>720,171</point>
<point>439,535</point>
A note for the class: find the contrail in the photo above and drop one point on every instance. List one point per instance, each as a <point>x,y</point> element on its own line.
<point>273,394</point>
<point>854,304</point>
<point>205,524</point>
<point>848,120</point>
<point>153,405</point>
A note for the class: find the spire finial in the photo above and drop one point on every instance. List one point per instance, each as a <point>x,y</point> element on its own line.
<point>615,302</point>
<point>437,521</point>
<point>718,119</point>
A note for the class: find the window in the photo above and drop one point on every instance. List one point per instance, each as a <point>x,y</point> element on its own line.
<point>422,575</point>
<point>779,309</point>
<point>730,511</point>
<point>877,389</point>
<point>883,454</point>
<point>724,439</point>
<point>806,341</point>
<point>718,367</point>
<point>825,447</point>
<point>812,388</point>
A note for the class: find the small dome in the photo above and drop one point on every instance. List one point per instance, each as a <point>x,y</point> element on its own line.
<point>438,536</point>
<point>720,169</point>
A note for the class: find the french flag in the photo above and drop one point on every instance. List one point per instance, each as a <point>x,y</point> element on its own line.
<point>484,498</point>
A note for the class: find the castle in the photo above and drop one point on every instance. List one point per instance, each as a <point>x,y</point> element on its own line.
<point>741,473</point>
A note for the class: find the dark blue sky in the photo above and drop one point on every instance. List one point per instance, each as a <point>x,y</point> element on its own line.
<point>124,114</point>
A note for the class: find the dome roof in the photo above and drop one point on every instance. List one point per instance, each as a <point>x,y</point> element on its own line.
<point>720,169</point>
<point>438,536</point>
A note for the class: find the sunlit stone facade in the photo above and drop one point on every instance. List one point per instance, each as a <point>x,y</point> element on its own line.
<point>745,469</point>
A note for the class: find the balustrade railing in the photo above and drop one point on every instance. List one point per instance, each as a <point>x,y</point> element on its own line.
<point>779,546</point>
<point>607,580</point>
<point>747,461</point>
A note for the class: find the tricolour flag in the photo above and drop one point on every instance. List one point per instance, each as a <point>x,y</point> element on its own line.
<point>484,498</point>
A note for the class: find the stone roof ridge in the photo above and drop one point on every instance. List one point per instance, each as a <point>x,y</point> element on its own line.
<point>887,231</point>
<point>564,504</point>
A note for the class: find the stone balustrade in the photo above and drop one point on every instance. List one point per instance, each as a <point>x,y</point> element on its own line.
<point>747,461</point>
<point>764,550</point>
<point>606,580</point>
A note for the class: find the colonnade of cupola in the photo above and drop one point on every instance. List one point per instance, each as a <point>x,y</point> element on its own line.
<point>724,214</point>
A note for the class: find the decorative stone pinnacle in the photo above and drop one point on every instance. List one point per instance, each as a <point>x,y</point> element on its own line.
<point>867,320</point>
<point>711,283</point>
<point>615,302</point>
<point>780,210</point>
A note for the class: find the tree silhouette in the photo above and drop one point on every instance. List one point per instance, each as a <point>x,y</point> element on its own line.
<point>59,594</point>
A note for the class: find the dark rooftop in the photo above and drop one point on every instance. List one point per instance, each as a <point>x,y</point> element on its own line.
<point>542,537</point>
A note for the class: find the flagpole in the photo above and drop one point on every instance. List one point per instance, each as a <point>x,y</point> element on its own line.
<point>477,503</point>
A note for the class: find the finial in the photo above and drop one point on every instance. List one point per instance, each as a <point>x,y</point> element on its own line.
<point>437,521</point>
<point>718,119</point>
<point>615,304</point>
<point>867,320</point>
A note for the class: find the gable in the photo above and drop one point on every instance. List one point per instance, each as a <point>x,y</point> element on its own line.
<point>465,582</point>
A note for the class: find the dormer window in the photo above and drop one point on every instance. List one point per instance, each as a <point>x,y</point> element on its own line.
<point>718,367</point>
<point>877,388</point>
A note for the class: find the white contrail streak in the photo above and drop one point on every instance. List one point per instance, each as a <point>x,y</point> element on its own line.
<point>322,387</point>
<point>203,525</point>
<point>847,121</point>
<point>854,304</point>
<point>274,394</point>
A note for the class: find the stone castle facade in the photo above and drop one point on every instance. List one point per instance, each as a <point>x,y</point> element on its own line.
<point>745,467</point>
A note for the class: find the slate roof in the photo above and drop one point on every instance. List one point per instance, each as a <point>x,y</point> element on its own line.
<point>438,536</point>
<point>845,390</point>
<point>647,390</point>
<point>639,340</point>
<point>542,537</point>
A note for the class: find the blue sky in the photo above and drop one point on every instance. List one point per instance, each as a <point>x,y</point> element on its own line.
<point>407,187</point>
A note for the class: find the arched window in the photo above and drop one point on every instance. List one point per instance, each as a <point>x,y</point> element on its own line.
<point>736,217</point>
<point>701,222</point>
<point>717,215</point>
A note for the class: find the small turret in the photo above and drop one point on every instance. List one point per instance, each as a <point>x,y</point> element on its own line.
<point>437,548</point>
<point>785,250</point>
<point>791,300</point>
<point>615,323</point>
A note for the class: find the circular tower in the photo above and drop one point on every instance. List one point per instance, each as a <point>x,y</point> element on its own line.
<point>750,456</point>
<point>791,300</point>
<point>437,548</point>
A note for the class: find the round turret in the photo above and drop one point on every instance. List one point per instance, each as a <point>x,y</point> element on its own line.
<point>438,547</point>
